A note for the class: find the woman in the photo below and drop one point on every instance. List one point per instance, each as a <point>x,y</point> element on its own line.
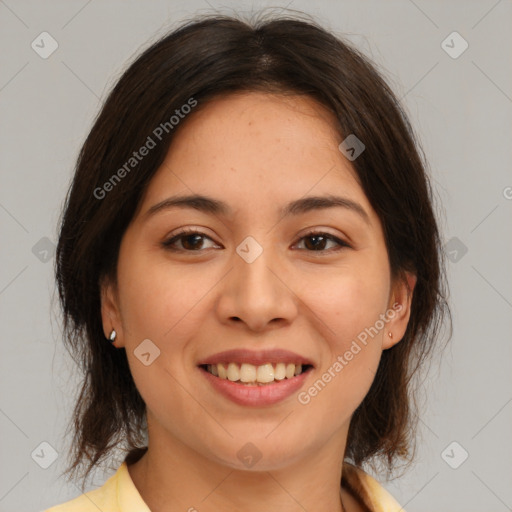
<point>251,273</point>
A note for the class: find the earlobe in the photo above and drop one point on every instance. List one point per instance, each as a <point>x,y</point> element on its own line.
<point>110,317</point>
<point>399,311</point>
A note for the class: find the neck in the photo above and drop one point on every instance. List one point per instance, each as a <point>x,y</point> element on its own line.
<point>173,477</point>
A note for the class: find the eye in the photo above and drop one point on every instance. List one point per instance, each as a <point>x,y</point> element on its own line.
<point>319,240</point>
<point>190,240</point>
<point>193,241</point>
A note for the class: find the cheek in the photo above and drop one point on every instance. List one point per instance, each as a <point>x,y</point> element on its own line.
<point>347,303</point>
<point>159,304</point>
<point>349,308</point>
<point>157,298</point>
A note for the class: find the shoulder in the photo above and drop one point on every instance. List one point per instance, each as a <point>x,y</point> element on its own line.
<point>103,498</point>
<point>368,491</point>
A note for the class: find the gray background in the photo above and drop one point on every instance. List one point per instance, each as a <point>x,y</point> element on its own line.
<point>461,108</point>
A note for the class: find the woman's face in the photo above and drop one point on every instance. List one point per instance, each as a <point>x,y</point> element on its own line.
<point>252,278</point>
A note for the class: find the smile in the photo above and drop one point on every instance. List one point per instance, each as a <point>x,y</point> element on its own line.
<point>250,374</point>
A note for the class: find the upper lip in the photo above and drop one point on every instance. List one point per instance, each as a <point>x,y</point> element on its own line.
<point>256,358</point>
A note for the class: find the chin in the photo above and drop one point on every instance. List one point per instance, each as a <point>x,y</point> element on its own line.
<point>259,453</point>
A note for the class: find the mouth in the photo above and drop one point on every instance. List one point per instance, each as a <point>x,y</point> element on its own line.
<point>256,379</point>
<point>256,368</point>
<point>256,375</point>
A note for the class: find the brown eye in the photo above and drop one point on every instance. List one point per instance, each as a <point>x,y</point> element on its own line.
<point>193,241</point>
<point>189,240</point>
<point>317,241</point>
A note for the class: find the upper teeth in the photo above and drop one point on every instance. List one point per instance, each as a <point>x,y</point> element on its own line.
<point>250,373</point>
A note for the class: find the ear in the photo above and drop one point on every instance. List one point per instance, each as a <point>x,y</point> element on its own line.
<point>110,312</point>
<point>399,310</point>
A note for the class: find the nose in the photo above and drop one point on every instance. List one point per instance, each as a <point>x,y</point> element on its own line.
<point>257,295</point>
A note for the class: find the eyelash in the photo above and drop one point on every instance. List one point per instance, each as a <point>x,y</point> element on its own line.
<point>167,244</point>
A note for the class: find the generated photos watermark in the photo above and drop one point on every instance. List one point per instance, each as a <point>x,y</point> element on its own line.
<point>137,156</point>
<point>304,397</point>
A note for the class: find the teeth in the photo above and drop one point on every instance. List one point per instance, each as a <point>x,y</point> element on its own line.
<point>248,373</point>
<point>280,371</point>
<point>265,373</point>
<point>221,370</point>
<point>233,372</point>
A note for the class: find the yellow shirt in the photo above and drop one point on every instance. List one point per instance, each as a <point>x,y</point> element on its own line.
<point>119,494</point>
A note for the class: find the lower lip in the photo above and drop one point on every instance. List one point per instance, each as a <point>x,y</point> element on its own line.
<point>255,396</point>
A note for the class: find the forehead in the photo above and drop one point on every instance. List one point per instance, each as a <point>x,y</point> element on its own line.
<point>257,150</point>
<point>268,126</point>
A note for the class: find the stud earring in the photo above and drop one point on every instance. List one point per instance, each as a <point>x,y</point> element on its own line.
<point>113,335</point>
<point>390,334</point>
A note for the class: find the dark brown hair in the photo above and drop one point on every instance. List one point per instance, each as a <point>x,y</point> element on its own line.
<point>214,56</point>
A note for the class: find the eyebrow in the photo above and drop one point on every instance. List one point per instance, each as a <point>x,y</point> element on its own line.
<point>299,206</point>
